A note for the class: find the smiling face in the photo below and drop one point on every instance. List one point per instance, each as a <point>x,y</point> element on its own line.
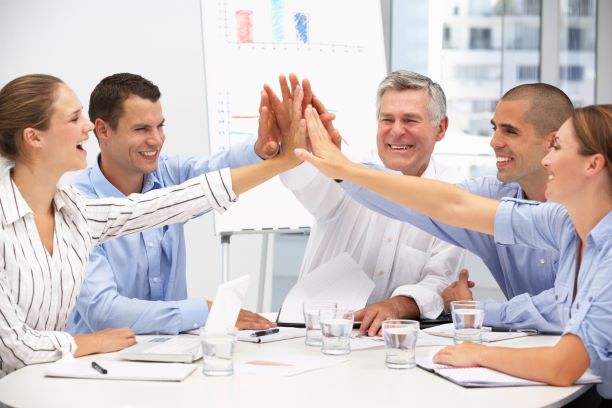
<point>132,149</point>
<point>565,166</point>
<point>68,130</point>
<point>406,136</point>
<point>518,148</point>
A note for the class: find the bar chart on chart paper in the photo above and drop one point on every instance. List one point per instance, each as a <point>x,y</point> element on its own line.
<point>336,44</point>
<point>282,24</point>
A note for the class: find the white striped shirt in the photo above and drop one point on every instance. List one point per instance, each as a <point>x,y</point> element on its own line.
<point>38,290</point>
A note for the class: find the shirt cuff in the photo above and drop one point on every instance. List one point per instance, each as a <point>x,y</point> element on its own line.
<point>492,314</point>
<point>299,177</point>
<point>248,151</point>
<point>194,313</point>
<point>217,186</point>
<point>430,303</point>
<point>502,230</point>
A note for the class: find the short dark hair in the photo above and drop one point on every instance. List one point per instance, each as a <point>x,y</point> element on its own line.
<point>106,100</point>
<point>549,106</point>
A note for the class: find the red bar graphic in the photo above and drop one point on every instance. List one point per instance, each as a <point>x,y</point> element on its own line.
<point>244,26</point>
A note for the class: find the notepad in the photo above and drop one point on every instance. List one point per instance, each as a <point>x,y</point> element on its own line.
<point>120,370</point>
<point>284,333</point>
<point>472,377</point>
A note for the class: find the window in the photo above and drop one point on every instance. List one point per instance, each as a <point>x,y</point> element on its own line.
<point>527,72</point>
<point>480,39</point>
<point>571,73</point>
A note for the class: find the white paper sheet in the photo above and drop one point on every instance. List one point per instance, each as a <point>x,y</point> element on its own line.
<point>227,304</point>
<point>284,365</point>
<point>340,279</point>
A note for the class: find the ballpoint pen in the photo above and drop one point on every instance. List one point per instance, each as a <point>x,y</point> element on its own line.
<point>510,330</point>
<point>98,368</point>
<point>264,332</point>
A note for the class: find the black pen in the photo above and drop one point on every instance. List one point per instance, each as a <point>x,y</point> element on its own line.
<point>98,368</point>
<point>511,330</point>
<point>264,332</point>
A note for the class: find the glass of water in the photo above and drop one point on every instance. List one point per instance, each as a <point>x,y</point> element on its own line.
<point>468,316</point>
<point>311,320</point>
<point>400,340</point>
<point>336,327</point>
<point>218,351</point>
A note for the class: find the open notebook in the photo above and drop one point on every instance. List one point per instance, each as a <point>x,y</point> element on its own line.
<point>485,377</point>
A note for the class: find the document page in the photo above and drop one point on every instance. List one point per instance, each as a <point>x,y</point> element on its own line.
<point>227,304</point>
<point>284,365</point>
<point>341,280</point>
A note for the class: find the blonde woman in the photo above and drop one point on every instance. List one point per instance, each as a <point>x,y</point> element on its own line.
<point>47,233</point>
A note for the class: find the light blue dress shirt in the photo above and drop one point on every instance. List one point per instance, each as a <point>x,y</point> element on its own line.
<point>139,281</point>
<point>525,275</point>
<point>589,314</point>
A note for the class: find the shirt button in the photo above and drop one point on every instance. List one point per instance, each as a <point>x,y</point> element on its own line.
<point>542,261</point>
<point>590,298</point>
<point>151,244</point>
<point>556,297</point>
<point>577,306</point>
<point>389,240</point>
<point>195,325</point>
<point>381,273</point>
<point>156,279</point>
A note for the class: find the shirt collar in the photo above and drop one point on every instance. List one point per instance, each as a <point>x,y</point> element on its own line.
<point>603,230</point>
<point>14,205</point>
<point>105,188</point>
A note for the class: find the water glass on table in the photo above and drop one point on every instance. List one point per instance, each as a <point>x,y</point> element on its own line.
<point>400,340</point>
<point>218,351</point>
<point>336,327</point>
<point>311,320</point>
<point>468,316</point>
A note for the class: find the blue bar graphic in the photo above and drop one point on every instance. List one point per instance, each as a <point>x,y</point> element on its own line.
<point>301,27</point>
<point>278,31</point>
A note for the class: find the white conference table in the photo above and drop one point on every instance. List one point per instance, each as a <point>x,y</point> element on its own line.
<point>363,381</point>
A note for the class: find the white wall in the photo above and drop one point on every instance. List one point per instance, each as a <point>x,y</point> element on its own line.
<point>82,41</point>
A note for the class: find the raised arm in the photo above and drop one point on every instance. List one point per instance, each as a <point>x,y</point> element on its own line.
<point>436,199</point>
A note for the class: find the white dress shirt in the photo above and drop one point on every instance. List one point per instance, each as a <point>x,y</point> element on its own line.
<point>399,258</point>
<point>38,289</point>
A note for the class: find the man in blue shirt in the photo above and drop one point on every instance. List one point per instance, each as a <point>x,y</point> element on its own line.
<point>139,281</point>
<point>524,122</point>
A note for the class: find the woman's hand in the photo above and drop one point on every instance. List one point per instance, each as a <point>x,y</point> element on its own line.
<point>326,156</point>
<point>104,341</point>
<point>462,355</point>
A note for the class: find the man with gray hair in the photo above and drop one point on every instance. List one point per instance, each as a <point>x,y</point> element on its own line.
<point>409,267</point>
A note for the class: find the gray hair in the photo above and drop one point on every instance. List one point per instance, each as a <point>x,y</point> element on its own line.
<point>401,80</point>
